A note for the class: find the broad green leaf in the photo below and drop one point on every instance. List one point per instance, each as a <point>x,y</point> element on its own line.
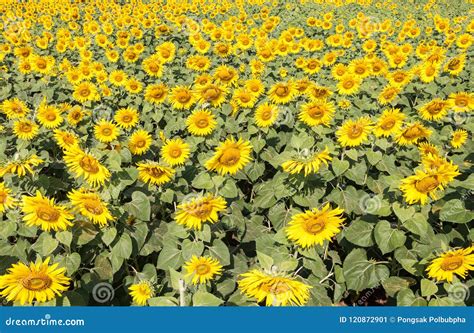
<point>361,273</point>
<point>388,238</point>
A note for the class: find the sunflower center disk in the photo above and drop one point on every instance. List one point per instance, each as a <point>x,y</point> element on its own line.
<point>315,225</point>
<point>202,269</point>
<point>89,165</point>
<point>230,157</point>
<point>202,123</point>
<point>427,184</point>
<point>46,213</point>
<point>452,263</point>
<point>93,207</point>
<point>355,131</point>
<point>36,282</point>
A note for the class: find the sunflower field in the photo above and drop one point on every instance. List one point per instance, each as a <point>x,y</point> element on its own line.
<point>238,153</point>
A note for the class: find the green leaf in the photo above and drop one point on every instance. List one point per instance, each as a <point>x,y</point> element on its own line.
<point>428,288</point>
<point>266,262</point>
<point>361,273</point>
<point>203,298</point>
<point>108,235</point>
<point>418,225</point>
<point>191,248</point>
<point>163,301</point>
<point>124,247</point>
<point>403,214</point>
<point>454,211</point>
<point>139,207</point>
<point>373,157</point>
<point>169,257</point>
<point>339,167</point>
<point>203,181</point>
<point>71,262</point>
<point>229,190</point>
<point>387,238</point>
<point>406,297</point>
<point>65,237</point>
<point>45,244</point>
<point>220,251</point>
<point>394,284</point>
<point>360,233</point>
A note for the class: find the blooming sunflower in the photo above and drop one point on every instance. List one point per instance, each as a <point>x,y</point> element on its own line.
<point>389,122</point>
<point>6,200</point>
<point>85,91</point>
<point>461,101</point>
<point>318,112</point>
<point>141,292</point>
<point>156,93</point>
<point>85,165</point>
<point>230,157</point>
<point>175,152</point>
<point>43,212</point>
<point>266,115</point>
<point>20,167</point>
<point>273,290</point>
<point>308,164</point>
<point>126,118</point>
<point>421,186</point>
<point>75,115</point>
<point>201,122</point>
<point>283,92</point>
<point>106,131</point>
<point>449,263</point>
<point>65,139</point>
<point>458,138</point>
<point>25,129</point>
<point>348,84</point>
<point>153,173</point>
<point>314,226</point>
<point>434,110</point>
<point>202,209</point>
<point>49,116</point>
<point>388,94</point>
<point>202,269</point>
<point>90,205</point>
<point>139,143</point>
<point>182,97</point>
<point>212,94</point>
<point>39,282</point>
<point>412,133</point>
<point>14,108</point>
<point>354,132</point>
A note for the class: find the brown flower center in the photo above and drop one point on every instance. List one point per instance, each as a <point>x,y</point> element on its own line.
<point>89,164</point>
<point>36,282</point>
<point>47,213</point>
<point>230,157</point>
<point>315,225</point>
<point>427,184</point>
<point>452,263</point>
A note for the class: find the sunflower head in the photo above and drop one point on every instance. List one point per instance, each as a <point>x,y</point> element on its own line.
<point>202,269</point>
<point>454,262</point>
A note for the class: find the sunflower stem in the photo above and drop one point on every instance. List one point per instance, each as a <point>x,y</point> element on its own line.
<point>182,293</point>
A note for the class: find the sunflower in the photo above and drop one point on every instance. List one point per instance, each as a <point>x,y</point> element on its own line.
<point>200,209</point>
<point>175,152</point>
<point>75,115</point>
<point>202,269</point>
<point>39,282</point>
<point>458,138</point>
<point>118,78</point>
<point>458,262</point>
<point>43,212</point>
<point>126,118</point>
<point>434,110</point>
<point>212,94</point>
<point>309,164</point>
<point>85,91</point>
<point>455,65</point>
<point>201,122</point>
<point>421,186</point>
<point>182,97</point>
<point>156,93</point>
<point>106,131</point>
<point>49,116</point>
<point>65,139</point>
<point>348,84</point>
<point>255,86</point>
<point>230,157</point>
<point>153,66</point>
<point>25,129</point>
<point>283,92</point>
<point>91,206</point>
<point>244,98</point>
<point>412,133</point>
<point>273,290</point>
<point>389,122</point>
<point>14,108</point>
<point>461,101</point>
<point>85,165</point>
<point>426,148</point>
<point>315,226</point>
<point>388,94</point>
<point>139,143</point>
<point>266,115</point>
<point>141,292</point>
<point>353,133</point>
<point>318,112</point>
<point>6,200</point>
<point>153,173</point>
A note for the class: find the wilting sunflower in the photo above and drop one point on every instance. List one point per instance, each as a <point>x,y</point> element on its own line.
<point>49,116</point>
<point>266,115</point>
<point>412,133</point>
<point>283,92</point>
<point>106,131</point>
<point>39,282</point>
<point>153,173</point>
<point>315,226</point>
<point>14,108</point>
<point>90,205</point>
<point>42,212</point>
<point>318,112</point>
<point>175,152</point>
<point>230,157</point>
<point>434,110</point>
<point>202,269</point>
<point>458,262</point>
<point>201,123</point>
<point>308,164</point>
<point>458,138</point>
<point>6,200</point>
<point>20,167</point>
<point>195,212</point>
<point>273,290</point>
<point>354,132</point>
<point>126,118</point>
<point>389,122</point>
<point>182,97</point>
<point>141,292</point>
<point>65,139</point>
<point>139,143</point>
<point>85,165</point>
<point>25,129</point>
